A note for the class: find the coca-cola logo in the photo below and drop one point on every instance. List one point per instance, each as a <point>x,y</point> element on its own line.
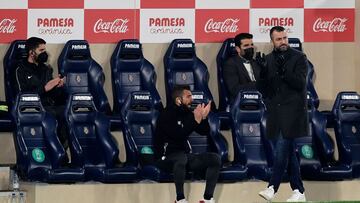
<point>116,26</point>
<point>334,25</point>
<point>7,26</point>
<point>229,25</point>
<point>271,22</point>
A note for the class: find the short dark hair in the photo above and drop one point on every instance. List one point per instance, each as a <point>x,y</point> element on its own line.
<point>178,91</point>
<point>277,29</point>
<point>33,43</point>
<point>240,37</point>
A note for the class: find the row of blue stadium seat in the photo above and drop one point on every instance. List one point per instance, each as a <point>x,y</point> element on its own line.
<point>94,155</point>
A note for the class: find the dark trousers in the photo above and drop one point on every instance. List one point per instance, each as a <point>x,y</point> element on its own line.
<point>285,158</point>
<point>58,113</point>
<point>178,163</point>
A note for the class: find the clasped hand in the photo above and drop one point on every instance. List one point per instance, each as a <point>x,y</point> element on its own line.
<point>202,111</point>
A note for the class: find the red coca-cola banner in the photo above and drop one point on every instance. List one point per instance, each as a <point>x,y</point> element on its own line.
<point>329,25</point>
<point>13,25</point>
<point>277,3</point>
<point>217,25</point>
<point>111,25</point>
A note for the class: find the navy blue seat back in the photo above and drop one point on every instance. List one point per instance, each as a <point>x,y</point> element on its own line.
<point>40,155</point>
<point>130,72</point>
<point>183,67</point>
<point>296,44</point>
<point>83,73</point>
<point>140,115</point>
<point>13,56</point>
<point>346,111</point>
<point>226,51</point>
<point>248,132</point>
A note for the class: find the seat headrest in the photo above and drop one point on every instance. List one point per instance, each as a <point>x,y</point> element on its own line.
<point>128,49</point>
<point>346,101</point>
<point>198,97</point>
<point>228,48</point>
<point>182,49</point>
<point>295,43</point>
<point>28,108</point>
<point>76,50</point>
<point>140,101</point>
<point>248,100</point>
<point>82,103</point>
<point>17,50</point>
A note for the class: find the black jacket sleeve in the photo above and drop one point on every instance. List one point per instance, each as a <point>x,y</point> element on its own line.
<point>296,78</point>
<point>26,82</point>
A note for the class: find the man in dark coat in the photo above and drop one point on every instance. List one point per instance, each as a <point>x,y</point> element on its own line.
<point>240,71</point>
<point>283,85</point>
<point>172,148</point>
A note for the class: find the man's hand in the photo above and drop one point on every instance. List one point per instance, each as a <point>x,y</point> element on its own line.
<point>262,63</point>
<point>52,83</point>
<point>198,111</point>
<point>206,109</point>
<point>62,81</point>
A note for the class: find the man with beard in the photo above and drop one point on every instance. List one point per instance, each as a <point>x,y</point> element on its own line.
<point>172,148</point>
<point>35,76</point>
<point>283,85</point>
<point>240,71</point>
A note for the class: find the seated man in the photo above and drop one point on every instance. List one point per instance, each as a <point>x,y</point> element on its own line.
<point>34,75</point>
<point>172,149</point>
<point>241,72</point>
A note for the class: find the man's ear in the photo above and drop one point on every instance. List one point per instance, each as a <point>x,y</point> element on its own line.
<point>178,101</point>
<point>238,49</point>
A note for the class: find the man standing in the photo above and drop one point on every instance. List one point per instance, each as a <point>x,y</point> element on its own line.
<point>172,148</point>
<point>241,72</point>
<point>34,75</point>
<point>283,85</point>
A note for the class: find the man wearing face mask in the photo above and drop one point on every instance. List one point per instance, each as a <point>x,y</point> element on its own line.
<point>283,86</point>
<point>34,75</point>
<point>172,148</point>
<point>240,71</point>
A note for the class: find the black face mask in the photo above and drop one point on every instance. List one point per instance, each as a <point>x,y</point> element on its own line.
<point>249,53</point>
<point>42,57</point>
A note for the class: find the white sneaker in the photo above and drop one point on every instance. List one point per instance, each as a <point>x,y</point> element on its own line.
<point>268,194</point>
<point>297,196</point>
<point>181,201</point>
<point>207,201</point>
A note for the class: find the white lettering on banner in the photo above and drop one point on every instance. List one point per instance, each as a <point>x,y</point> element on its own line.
<point>187,45</point>
<point>251,96</point>
<point>350,97</point>
<point>335,25</point>
<point>116,26</point>
<point>276,22</point>
<point>55,22</point>
<point>132,46</point>
<point>142,97</point>
<point>229,25</point>
<point>7,26</point>
<point>79,46</point>
<point>173,22</point>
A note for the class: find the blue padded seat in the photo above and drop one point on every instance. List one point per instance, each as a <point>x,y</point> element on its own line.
<point>39,153</point>
<point>91,143</point>
<point>251,148</point>
<point>130,72</point>
<point>346,111</point>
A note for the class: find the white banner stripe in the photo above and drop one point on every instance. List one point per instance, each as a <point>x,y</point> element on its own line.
<point>329,3</point>
<point>224,4</point>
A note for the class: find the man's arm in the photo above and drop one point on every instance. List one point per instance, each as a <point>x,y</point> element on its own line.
<point>296,77</point>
